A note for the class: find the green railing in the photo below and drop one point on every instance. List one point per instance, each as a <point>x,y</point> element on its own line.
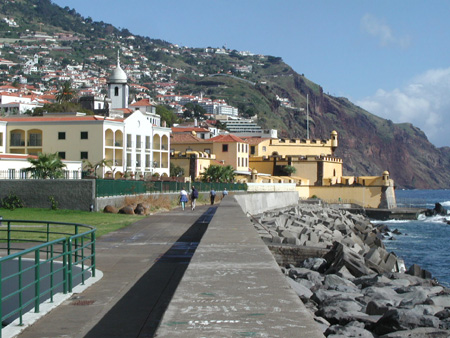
<point>131,187</point>
<point>43,258</point>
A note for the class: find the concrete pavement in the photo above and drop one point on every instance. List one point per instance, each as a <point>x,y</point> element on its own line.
<point>142,266</point>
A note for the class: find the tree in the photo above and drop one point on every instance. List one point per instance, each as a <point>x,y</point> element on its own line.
<point>166,115</point>
<point>46,166</point>
<point>66,93</point>
<point>176,171</point>
<point>217,173</point>
<point>289,170</point>
<point>92,167</point>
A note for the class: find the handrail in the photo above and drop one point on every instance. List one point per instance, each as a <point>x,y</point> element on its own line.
<point>49,267</point>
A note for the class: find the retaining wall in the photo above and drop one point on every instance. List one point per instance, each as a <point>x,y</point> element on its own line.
<point>257,203</point>
<point>69,194</point>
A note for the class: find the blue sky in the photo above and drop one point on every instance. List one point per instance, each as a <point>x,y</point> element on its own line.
<point>389,57</point>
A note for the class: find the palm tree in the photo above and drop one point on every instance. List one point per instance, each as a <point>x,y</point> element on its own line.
<point>217,173</point>
<point>66,93</point>
<point>46,166</point>
<point>92,167</point>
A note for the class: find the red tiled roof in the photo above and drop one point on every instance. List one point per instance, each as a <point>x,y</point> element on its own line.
<point>227,138</point>
<point>143,102</point>
<point>188,129</point>
<point>19,156</point>
<point>180,138</point>
<point>56,118</point>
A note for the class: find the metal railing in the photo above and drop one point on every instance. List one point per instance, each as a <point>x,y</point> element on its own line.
<point>135,187</point>
<point>43,259</point>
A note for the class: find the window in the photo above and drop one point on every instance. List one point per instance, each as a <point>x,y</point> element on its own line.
<point>224,148</point>
<point>116,91</point>
<point>84,135</point>
<point>252,150</point>
<point>35,140</point>
<point>1,139</point>
<point>62,155</point>
<point>16,140</point>
<point>264,148</point>
<point>239,161</point>
<point>239,147</point>
<point>208,151</point>
<point>61,135</point>
<point>84,155</point>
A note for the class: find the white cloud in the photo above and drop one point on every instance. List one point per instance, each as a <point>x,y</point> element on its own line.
<point>424,102</point>
<point>383,32</point>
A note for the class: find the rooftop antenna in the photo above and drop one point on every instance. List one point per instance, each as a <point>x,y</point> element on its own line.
<point>307,117</point>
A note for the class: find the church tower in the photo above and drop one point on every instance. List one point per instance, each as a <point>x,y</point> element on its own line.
<point>118,88</point>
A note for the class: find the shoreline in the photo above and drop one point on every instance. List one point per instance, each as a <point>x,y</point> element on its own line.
<point>357,287</point>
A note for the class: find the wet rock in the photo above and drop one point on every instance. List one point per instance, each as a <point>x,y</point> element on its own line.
<point>350,330</point>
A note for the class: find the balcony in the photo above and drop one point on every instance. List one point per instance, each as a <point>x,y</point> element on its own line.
<point>17,143</point>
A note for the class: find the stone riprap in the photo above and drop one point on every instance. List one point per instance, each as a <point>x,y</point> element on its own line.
<point>357,288</point>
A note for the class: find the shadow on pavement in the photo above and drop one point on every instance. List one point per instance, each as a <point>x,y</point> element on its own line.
<point>139,311</point>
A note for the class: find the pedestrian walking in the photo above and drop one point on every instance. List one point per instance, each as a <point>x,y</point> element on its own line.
<point>194,196</point>
<point>212,195</point>
<point>224,193</point>
<point>183,198</point>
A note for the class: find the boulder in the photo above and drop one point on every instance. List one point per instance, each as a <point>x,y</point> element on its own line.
<point>302,291</point>
<point>140,209</point>
<point>109,209</point>
<point>340,256</point>
<point>333,281</point>
<point>421,332</point>
<point>349,330</point>
<point>128,210</point>
<point>416,270</point>
<point>315,264</point>
<point>403,319</point>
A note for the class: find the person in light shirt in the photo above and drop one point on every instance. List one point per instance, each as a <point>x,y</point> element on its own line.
<point>183,198</point>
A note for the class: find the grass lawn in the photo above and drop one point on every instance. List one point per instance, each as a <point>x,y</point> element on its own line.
<point>104,223</point>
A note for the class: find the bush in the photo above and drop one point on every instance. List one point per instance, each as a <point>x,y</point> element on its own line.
<point>12,201</point>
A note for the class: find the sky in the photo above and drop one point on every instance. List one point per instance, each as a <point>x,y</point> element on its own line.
<point>391,58</point>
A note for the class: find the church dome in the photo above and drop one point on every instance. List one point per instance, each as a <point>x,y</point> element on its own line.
<point>118,75</point>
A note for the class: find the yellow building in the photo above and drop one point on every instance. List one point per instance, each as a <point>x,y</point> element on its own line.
<point>317,171</point>
<point>228,149</point>
<point>194,163</point>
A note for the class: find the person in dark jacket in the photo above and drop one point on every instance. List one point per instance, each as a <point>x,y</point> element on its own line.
<point>194,196</point>
<point>212,195</point>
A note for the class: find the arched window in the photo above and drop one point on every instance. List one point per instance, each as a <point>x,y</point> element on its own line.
<point>116,91</point>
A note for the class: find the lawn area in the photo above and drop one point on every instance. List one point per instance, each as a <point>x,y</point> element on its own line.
<point>104,223</point>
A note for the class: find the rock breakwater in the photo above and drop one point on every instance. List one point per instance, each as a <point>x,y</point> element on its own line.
<point>357,288</point>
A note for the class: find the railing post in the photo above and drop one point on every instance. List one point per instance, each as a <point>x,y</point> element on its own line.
<point>93,263</point>
<point>20,290</point>
<point>69,264</point>
<point>8,232</point>
<point>51,273</point>
<point>37,279</point>
<point>1,297</point>
<point>65,271</point>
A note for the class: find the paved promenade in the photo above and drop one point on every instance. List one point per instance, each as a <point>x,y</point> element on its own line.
<point>142,265</point>
<point>230,287</point>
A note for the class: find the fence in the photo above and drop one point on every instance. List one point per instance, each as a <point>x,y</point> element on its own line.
<point>130,187</point>
<point>22,174</point>
<point>51,257</point>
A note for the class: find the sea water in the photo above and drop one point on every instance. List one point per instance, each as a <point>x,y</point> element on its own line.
<point>426,241</point>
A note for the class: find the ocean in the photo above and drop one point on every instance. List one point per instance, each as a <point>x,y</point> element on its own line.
<point>425,242</point>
